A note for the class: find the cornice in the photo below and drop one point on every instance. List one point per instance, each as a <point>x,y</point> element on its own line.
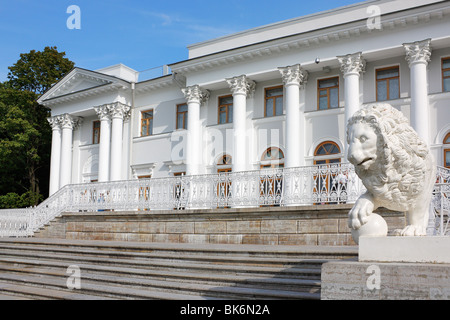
<point>83,94</point>
<point>79,75</point>
<point>104,82</point>
<point>297,42</point>
<point>161,83</point>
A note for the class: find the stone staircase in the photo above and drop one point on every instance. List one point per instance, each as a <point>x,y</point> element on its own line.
<point>32,268</point>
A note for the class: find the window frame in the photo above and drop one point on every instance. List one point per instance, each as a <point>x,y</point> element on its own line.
<point>328,93</point>
<point>184,114</point>
<point>223,165</point>
<point>272,162</point>
<point>442,73</point>
<point>274,101</point>
<point>328,156</point>
<point>227,109</point>
<point>446,149</point>
<point>387,82</point>
<point>147,119</point>
<point>94,130</point>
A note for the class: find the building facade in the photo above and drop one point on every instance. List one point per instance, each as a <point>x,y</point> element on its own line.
<point>274,96</point>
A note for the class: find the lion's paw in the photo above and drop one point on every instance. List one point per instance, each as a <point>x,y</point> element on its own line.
<point>410,231</point>
<point>359,214</point>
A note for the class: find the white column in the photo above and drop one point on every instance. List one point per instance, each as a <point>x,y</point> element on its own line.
<point>105,142</point>
<point>195,96</point>
<point>118,112</point>
<point>294,77</point>
<point>418,55</point>
<point>241,88</point>
<point>68,123</point>
<point>55,160</point>
<point>352,65</point>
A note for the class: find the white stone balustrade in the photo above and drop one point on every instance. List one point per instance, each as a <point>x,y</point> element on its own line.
<point>325,184</point>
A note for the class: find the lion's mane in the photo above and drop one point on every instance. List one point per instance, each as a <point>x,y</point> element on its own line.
<point>403,159</point>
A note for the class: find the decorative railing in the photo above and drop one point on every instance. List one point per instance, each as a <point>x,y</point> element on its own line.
<point>314,185</point>
<point>440,210</point>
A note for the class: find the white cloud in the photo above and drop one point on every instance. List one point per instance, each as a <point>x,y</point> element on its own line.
<point>165,18</point>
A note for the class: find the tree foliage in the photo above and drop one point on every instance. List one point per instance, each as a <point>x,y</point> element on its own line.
<point>25,135</point>
<point>36,71</point>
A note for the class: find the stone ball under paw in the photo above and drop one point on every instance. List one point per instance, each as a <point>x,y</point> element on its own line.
<point>376,226</point>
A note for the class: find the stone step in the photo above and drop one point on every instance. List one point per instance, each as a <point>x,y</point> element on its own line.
<point>50,288</point>
<point>130,275</point>
<point>37,269</point>
<point>16,291</point>
<point>150,289</point>
<point>290,272</point>
<point>4,296</point>
<point>181,249</point>
<point>24,250</point>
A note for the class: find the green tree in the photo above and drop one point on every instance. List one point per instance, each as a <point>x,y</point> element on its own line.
<point>36,71</point>
<point>25,135</point>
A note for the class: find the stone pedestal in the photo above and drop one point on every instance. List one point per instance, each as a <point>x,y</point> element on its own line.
<point>391,268</point>
<point>405,249</point>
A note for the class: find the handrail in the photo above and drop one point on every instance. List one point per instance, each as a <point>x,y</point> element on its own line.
<point>309,185</point>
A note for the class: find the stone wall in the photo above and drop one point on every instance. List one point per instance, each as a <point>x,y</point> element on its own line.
<point>305,225</point>
<point>353,280</point>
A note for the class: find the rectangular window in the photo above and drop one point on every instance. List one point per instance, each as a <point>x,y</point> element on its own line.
<point>273,102</point>
<point>225,109</point>
<point>388,83</point>
<point>446,74</point>
<point>182,110</point>
<point>96,132</point>
<point>328,93</point>
<point>147,123</point>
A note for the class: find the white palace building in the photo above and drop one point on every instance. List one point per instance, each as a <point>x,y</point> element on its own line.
<point>271,99</point>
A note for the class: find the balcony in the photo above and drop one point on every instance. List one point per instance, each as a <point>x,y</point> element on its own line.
<point>314,185</point>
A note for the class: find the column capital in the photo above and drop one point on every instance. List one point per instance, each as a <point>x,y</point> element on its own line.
<point>69,122</point>
<point>241,85</point>
<point>294,75</point>
<point>103,112</point>
<point>418,51</point>
<point>119,110</point>
<point>55,122</point>
<point>352,63</point>
<point>195,94</point>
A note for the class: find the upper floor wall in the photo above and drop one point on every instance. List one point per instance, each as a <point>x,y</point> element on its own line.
<point>303,25</point>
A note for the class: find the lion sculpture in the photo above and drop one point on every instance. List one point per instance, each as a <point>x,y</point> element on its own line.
<point>395,166</point>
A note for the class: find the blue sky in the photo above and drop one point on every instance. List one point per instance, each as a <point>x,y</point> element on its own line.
<point>140,34</point>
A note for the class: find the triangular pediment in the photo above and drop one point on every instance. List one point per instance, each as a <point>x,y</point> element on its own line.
<point>77,81</point>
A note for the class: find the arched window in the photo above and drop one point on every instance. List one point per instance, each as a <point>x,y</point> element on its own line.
<point>447,151</point>
<point>272,158</point>
<point>327,152</point>
<point>224,164</point>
